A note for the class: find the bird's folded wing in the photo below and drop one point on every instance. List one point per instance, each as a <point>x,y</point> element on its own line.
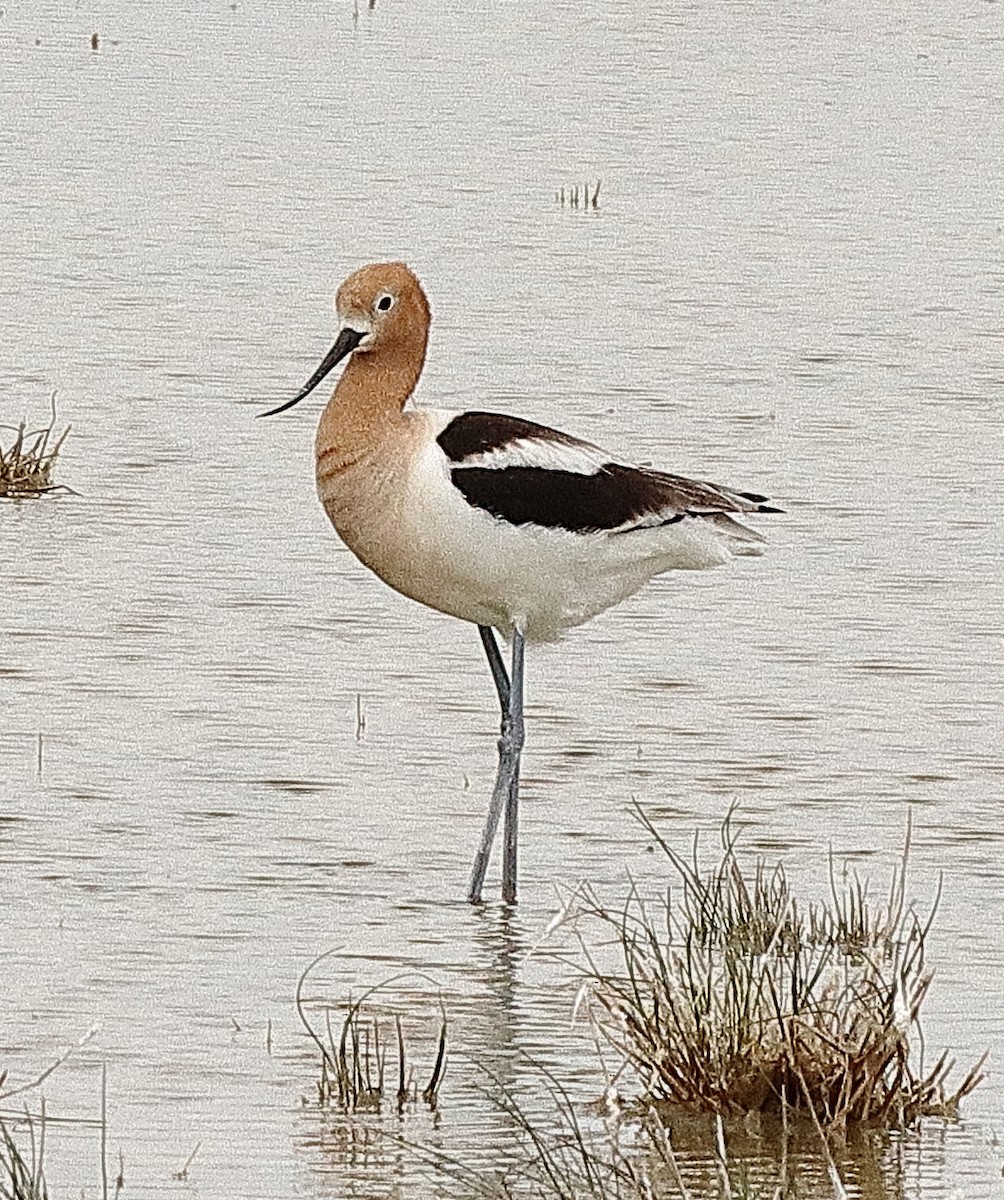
<point>528,474</point>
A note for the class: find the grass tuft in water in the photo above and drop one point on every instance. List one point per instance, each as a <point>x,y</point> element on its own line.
<point>733,998</point>
<point>27,464</point>
<point>362,1066</point>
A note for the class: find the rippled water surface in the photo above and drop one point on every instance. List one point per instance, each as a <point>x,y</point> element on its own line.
<point>252,752</point>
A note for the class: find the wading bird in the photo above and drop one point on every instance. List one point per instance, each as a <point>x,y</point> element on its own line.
<point>490,518</point>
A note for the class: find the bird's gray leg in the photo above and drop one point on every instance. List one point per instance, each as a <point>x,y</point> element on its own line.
<point>501,679</point>
<point>497,667</point>
<point>511,835</point>
<point>507,778</point>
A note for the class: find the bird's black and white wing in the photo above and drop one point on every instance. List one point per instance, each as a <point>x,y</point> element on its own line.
<point>528,474</point>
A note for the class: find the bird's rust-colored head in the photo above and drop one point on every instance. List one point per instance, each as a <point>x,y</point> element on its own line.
<point>385,302</point>
<point>382,313</point>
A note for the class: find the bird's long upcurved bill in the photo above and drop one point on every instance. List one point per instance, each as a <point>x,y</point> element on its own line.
<point>347,341</point>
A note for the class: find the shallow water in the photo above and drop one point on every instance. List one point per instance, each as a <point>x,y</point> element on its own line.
<point>792,284</point>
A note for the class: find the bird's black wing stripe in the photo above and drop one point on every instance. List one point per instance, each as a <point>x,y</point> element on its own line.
<point>568,500</point>
<point>614,497</point>
<point>473,433</point>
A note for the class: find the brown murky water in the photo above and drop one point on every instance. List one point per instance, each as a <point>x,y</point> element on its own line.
<point>793,284</point>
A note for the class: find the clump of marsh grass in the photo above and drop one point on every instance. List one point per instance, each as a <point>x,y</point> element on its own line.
<point>362,1065</point>
<point>733,998</point>
<point>27,464</point>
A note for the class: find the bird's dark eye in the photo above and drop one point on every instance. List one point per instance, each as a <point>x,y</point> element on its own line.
<point>384,303</point>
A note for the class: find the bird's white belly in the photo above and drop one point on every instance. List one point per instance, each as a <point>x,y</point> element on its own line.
<point>418,533</point>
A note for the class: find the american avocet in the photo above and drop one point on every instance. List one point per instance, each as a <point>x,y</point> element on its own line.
<point>498,521</point>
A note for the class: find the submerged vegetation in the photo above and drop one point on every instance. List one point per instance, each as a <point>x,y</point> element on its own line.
<point>27,464</point>
<point>577,1159</point>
